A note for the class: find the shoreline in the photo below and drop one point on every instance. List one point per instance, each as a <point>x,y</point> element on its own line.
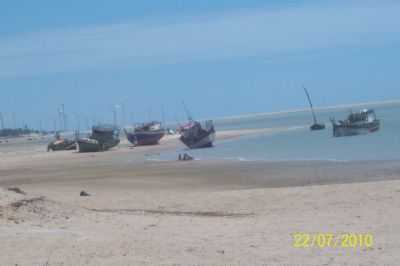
<point>201,212</point>
<point>34,151</point>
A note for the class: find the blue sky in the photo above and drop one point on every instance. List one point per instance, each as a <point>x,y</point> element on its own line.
<point>222,57</point>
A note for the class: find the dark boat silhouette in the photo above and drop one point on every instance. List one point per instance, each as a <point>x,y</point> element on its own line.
<point>361,123</point>
<point>61,144</point>
<point>316,125</point>
<point>102,138</point>
<point>147,134</point>
<point>194,135</point>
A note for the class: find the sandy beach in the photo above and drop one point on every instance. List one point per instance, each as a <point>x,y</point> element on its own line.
<point>199,133</point>
<point>142,212</point>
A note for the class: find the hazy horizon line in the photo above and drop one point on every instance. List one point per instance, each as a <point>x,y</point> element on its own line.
<point>323,108</point>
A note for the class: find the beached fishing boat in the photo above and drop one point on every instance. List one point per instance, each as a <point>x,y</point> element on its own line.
<point>316,125</point>
<point>61,144</point>
<point>194,136</point>
<point>88,145</point>
<point>146,134</point>
<point>363,122</point>
<point>102,138</point>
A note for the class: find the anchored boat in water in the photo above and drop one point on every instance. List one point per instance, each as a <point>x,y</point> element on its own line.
<point>316,125</point>
<point>361,123</point>
<point>102,138</point>
<point>146,134</point>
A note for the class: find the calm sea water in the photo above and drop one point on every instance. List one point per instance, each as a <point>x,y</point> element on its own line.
<point>297,142</point>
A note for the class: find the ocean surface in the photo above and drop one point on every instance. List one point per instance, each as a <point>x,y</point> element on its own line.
<point>297,142</point>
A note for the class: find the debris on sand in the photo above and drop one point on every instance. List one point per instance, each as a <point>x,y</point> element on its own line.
<point>25,202</point>
<point>17,190</point>
<point>174,213</point>
<point>185,157</point>
<point>84,194</point>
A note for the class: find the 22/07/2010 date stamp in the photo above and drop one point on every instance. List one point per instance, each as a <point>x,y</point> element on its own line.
<point>328,240</point>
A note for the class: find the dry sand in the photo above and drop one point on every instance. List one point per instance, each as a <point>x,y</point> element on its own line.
<point>191,213</point>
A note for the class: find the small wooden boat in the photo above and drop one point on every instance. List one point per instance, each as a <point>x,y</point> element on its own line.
<point>316,125</point>
<point>102,138</point>
<point>194,136</point>
<point>61,145</point>
<point>146,134</point>
<point>89,145</point>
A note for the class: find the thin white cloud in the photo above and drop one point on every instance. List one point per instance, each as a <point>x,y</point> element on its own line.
<point>260,32</point>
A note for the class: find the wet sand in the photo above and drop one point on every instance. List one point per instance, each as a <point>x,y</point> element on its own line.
<point>191,213</point>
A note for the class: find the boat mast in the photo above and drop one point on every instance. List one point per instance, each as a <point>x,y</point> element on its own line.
<point>188,114</point>
<point>1,121</point>
<point>311,105</point>
<point>163,115</point>
<point>63,117</point>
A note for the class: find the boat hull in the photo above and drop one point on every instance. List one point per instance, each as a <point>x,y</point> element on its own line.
<point>88,145</point>
<point>204,142</point>
<point>62,145</point>
<point>317,127</point>
<point>92,145</point>
<point>110,144</point>
<point>145,138</point>
<point>354,130</point>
